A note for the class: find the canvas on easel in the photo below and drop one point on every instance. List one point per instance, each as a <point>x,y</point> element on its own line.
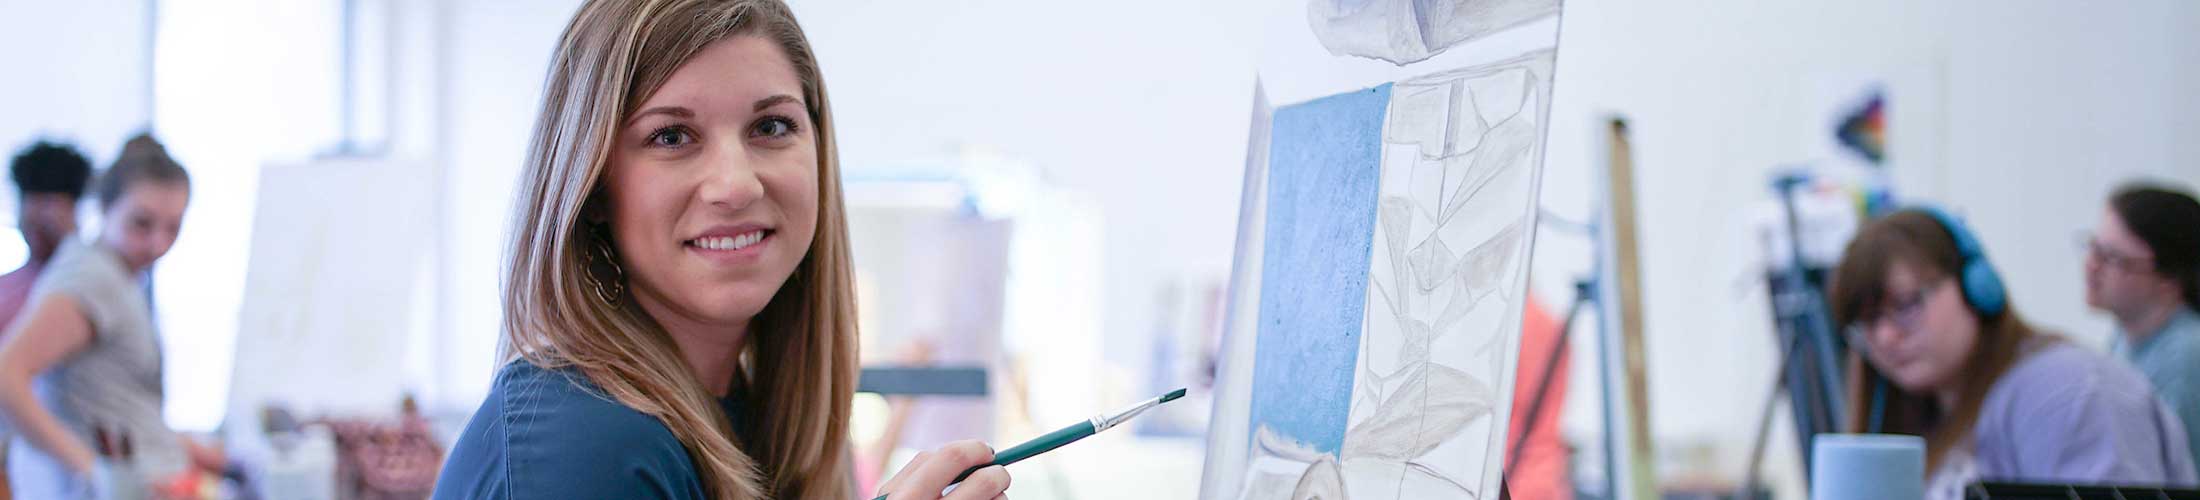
<point>1382,256</point>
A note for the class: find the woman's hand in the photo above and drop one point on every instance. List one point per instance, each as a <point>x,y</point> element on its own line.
<point>926,475</point>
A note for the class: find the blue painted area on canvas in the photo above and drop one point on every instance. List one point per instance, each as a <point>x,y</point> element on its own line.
<point>1325,161</point>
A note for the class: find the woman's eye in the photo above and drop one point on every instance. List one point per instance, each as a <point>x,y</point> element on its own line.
<point>773,127</point>
<point>670,137</point>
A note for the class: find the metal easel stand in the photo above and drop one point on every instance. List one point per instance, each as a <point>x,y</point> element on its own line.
<point>1809,372</point>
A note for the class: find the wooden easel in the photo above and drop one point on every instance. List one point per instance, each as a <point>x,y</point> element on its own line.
<point>1620,326</point>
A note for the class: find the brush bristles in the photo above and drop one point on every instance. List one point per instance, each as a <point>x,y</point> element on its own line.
<point>1172,395</point>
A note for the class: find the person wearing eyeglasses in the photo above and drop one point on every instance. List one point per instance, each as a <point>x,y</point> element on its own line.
<point>2142,266</point>
<point>1941,354</point>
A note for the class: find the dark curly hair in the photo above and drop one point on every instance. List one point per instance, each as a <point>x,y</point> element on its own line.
<point>50,167</point>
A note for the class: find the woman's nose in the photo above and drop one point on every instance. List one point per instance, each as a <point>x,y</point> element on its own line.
<point>732,182</point>
<point>1883,332</point>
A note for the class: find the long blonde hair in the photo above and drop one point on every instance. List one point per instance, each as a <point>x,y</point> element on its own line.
<point>798,365</point>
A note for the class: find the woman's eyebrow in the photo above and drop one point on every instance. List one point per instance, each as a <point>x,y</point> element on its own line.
<point>775,100</point>
<point>662,110</point>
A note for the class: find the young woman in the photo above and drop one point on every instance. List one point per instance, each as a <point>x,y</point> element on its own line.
<point>679,301</point>
<point>87,337</point>
<point>1945,357</point>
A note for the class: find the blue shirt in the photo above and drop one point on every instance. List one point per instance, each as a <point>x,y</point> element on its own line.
<point>554,434</point>
<point>2170,358</point>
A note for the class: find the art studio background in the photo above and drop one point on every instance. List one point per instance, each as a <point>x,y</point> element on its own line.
<point>1050,192</point>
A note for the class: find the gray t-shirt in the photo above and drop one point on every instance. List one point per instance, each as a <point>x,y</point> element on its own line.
<point>2068,415</point>
<point>113,383</point>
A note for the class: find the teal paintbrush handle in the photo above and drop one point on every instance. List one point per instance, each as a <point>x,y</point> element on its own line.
<point>1032,448</point>
<point>1029,449</point>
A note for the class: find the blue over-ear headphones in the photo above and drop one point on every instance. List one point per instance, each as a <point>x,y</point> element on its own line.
<point>1981,286</point>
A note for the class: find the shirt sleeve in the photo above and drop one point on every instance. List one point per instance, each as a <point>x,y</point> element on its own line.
<point>2082,432</point>
<point>70,279</point>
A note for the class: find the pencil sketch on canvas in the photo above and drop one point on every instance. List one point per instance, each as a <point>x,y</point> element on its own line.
<point>1408,31</point>
<point>1393,255</point>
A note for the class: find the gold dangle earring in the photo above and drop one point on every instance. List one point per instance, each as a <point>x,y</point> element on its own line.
<point>602,258</point>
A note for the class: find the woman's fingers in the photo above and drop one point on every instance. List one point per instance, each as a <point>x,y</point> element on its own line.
<point>931,472</point>
<point>894,484</point>
<point>987,483</point>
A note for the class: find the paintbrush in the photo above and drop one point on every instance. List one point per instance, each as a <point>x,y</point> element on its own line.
<point>1067,435</point>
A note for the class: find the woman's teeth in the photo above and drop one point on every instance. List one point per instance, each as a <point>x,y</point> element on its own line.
<point>729,242</point>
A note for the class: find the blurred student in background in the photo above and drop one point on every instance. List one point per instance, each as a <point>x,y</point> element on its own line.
<point>49,177</point>
<point>87,338</point>
<point>1942,355</point>
<point>2142,265</point>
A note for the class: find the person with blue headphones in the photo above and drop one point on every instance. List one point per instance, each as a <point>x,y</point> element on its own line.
<point>1939,352</point>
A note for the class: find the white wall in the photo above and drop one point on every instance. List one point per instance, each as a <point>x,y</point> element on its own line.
<point>491,86</point>
<point>238,85</point>
<point>1141,104</point>
<point>2020,115</point>
<point>90,91</point>
<point>77,71</point>
<point>249,84</point>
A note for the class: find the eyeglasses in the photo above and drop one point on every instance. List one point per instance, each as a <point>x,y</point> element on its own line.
<point>1907,312</point>
<point>2112,257</point>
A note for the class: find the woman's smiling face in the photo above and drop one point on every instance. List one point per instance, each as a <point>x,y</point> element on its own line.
<point>712,187</point>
